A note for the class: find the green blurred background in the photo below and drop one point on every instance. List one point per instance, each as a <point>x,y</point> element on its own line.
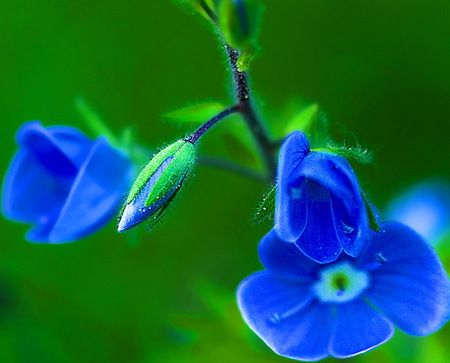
<point>379,67</point>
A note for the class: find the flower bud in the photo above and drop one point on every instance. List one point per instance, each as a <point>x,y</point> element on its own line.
<point>157,184</point>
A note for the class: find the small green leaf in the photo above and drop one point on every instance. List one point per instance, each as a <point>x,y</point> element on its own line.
<point>245,58</point>
<point>94,122</point>
<point>373,222</point>
<point>303,120</point>
<point>266,208</point>
<point>239,21</point>
<point>196,113</point>
<point>359,154</point>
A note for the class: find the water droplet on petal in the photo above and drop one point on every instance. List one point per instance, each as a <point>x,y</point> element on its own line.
<point>275,318</point>
<point>380,258</point>
<point>347,228</point>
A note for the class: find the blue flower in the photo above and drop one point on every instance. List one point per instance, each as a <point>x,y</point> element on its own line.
<point>318,199</point>
<point>308,311</point>
<point>425,208</point>
<point>64,184</point>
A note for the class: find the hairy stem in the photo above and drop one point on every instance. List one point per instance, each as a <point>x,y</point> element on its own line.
<point>245,108</point>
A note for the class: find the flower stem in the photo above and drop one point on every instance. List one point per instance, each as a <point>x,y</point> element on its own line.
<point>245,108</point>
<point>206,126</point>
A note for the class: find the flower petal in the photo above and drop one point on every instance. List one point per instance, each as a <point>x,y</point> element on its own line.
<point>358,329</point>
<point>285,258</point>
<point>72,142</point>
<point>293,151</point>
<point>61,150</point>
<point>425,208</point>
<point>349,212</point>
<point>282,312</point>
<point>410,285</point>
<point>319,205</point>
<point>319,240</point>
<point>95,195</point>
<point>30,192</point>
<point>333,173</point>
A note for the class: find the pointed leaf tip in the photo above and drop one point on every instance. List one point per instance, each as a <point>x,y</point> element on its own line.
<point>266,208</point>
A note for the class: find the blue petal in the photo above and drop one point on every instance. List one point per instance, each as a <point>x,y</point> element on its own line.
<point>292,152</point>
<point>30,193</point>
<point>425,208</point>
<point>319,240</point>
<point>319,204</point>
<point>282,312</point>
<point>284,258</point>
<point>349,212</point>
<point>408,283</point>
<point>72,142</point>
<point>358,329</point>
<point>95,195</point>
<point>61,150</point>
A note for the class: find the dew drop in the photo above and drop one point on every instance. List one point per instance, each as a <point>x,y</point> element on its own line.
<point>347,228</point>
<point>380,258</point>
<point>275,318</point>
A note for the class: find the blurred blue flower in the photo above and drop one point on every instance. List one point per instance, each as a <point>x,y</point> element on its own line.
<point>64,184</point>
<point>318,199</point>
<point>425,208</point>
<point>308,311</point>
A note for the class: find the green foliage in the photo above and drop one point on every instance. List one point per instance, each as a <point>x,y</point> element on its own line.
<point>238,22</point>
<point>373,220</point>
<point>245,58</point>
<point>352,150</point>
<point>199,113</point>
<point>359,154</point>
<point>205,7</point>
<point>266,208</point>
<point>303,120</point>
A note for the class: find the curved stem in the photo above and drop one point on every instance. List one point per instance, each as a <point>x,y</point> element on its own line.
<point>206,126</point>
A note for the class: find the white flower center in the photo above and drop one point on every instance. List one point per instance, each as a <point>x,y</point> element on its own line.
<point>340,283</point>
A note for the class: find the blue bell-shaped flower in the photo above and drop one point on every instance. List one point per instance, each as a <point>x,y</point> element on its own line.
<point>319,205</point>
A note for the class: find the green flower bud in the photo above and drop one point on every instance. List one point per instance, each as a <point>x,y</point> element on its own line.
<point>157,184</point>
